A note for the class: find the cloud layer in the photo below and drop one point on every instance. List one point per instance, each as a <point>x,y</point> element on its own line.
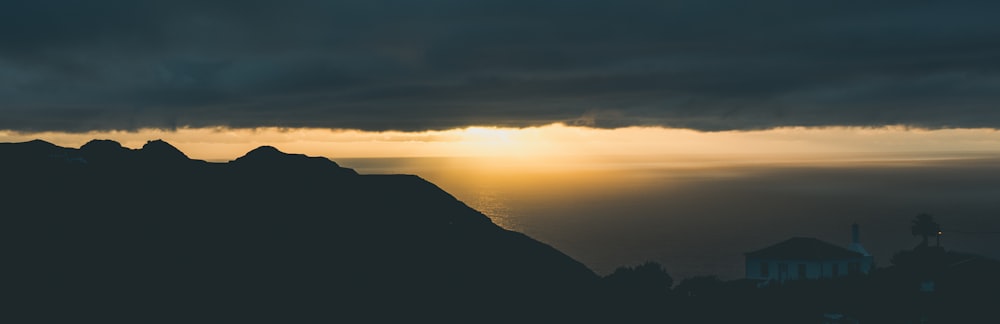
<point>436,64</point>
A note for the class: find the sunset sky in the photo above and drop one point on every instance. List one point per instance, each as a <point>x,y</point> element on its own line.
<point>776,118</point>
<point>558,142</point>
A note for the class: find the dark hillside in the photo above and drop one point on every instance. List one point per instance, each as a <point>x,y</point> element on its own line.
<point>106,232</point>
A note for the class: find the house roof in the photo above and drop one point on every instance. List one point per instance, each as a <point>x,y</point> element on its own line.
<point>804,248</point>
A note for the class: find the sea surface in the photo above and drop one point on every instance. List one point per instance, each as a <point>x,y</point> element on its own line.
<point>698,215</point>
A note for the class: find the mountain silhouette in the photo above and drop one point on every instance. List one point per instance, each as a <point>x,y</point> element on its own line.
<point>109,233</point>
<point>270,159</point>
<point>162,151</point>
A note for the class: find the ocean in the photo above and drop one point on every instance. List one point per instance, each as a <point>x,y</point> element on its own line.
<point>698,215</point>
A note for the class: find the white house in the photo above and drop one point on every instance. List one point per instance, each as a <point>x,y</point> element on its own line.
<point>808,258</point>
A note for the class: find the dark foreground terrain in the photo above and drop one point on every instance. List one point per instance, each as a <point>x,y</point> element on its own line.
<point>110,234</point>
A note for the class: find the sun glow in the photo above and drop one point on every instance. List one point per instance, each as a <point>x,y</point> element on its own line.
<point>486,141</point>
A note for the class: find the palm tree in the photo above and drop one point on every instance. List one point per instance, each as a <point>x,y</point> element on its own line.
<point>925,226</point>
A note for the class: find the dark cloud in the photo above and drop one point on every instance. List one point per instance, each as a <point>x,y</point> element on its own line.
<point>412,65</point>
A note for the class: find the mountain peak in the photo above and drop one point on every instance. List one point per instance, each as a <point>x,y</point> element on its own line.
<point>270,157</point>
<point>103,149</point>
<point>101,145</point>
<point>266,150</point>
<point>269,154</point>
<point>39,142</point>
<point>162,150</point>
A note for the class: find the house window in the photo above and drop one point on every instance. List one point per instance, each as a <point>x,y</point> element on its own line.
<point>764,271</point>
<point>835,270</point>
<point>802,270</point>
<point>854,268</point>
<point>783,269</point>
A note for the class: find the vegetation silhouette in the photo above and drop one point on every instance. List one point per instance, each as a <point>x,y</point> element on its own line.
<point>923,225</point>
<point>637,292</point>
<point>648,280</point>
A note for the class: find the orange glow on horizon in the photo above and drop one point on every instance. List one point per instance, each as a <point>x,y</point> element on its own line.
<point>550,142</point>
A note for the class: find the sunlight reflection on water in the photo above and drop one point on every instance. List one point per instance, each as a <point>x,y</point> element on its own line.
<point>699,218</point>
<point>494,204</point>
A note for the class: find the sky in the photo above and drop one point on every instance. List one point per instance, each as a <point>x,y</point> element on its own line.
<point>795,116</point>
<point>386,65</point>
<point>561,146</point>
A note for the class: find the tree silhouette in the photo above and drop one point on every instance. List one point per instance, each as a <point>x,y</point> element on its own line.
<point>700,286</point>
<point>648,280</point>
<point>637,294</point>
<point>924,226</point>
